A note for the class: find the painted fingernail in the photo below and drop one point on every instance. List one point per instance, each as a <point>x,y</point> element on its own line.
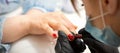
<point>78,36</point>
<point>71,37</point>
<point>54,35</point>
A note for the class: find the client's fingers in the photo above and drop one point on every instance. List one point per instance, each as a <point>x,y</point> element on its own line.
<point>50,31</point>
<point>69,34</point>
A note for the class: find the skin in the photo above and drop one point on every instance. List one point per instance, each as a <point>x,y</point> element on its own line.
<point>35,22</point>
<point>113,17</point>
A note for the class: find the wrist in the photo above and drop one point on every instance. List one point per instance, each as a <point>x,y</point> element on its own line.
<point>15,28</point>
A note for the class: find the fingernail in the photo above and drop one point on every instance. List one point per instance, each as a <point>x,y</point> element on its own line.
<point>78,36</point>
<point>71,37</point>
<point>54,35</point>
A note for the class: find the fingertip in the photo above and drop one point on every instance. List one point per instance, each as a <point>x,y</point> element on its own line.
<point>51,32</point>
<point>55,34</point>
<point>70,37</point>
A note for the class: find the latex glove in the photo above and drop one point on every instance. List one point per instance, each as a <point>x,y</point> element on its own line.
<point>63,45</point>
<point>77,44</point>
<point>99,47</point>
<point>96,46</point>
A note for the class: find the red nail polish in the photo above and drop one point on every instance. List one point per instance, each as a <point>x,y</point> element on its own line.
<point>71,37</point>
<point>78,36</point>
<point>54,35</point>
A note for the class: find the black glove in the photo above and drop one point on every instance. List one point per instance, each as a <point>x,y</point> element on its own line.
<point>99,47</point>
<point>77,45</point>
<point>63,45</point>
<point>96,46</point>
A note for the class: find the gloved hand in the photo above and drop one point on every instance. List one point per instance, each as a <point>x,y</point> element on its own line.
<point>99,47</point>
<point>77,44</point>
<point>96,46</point>
<point>65,46</point>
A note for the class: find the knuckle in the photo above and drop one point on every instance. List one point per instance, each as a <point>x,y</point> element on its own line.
<point>58,25</point>
<point>46,27</point>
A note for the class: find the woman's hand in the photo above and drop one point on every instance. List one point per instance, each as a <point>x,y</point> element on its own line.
<point>35,22</point>
<point>50,22</point>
